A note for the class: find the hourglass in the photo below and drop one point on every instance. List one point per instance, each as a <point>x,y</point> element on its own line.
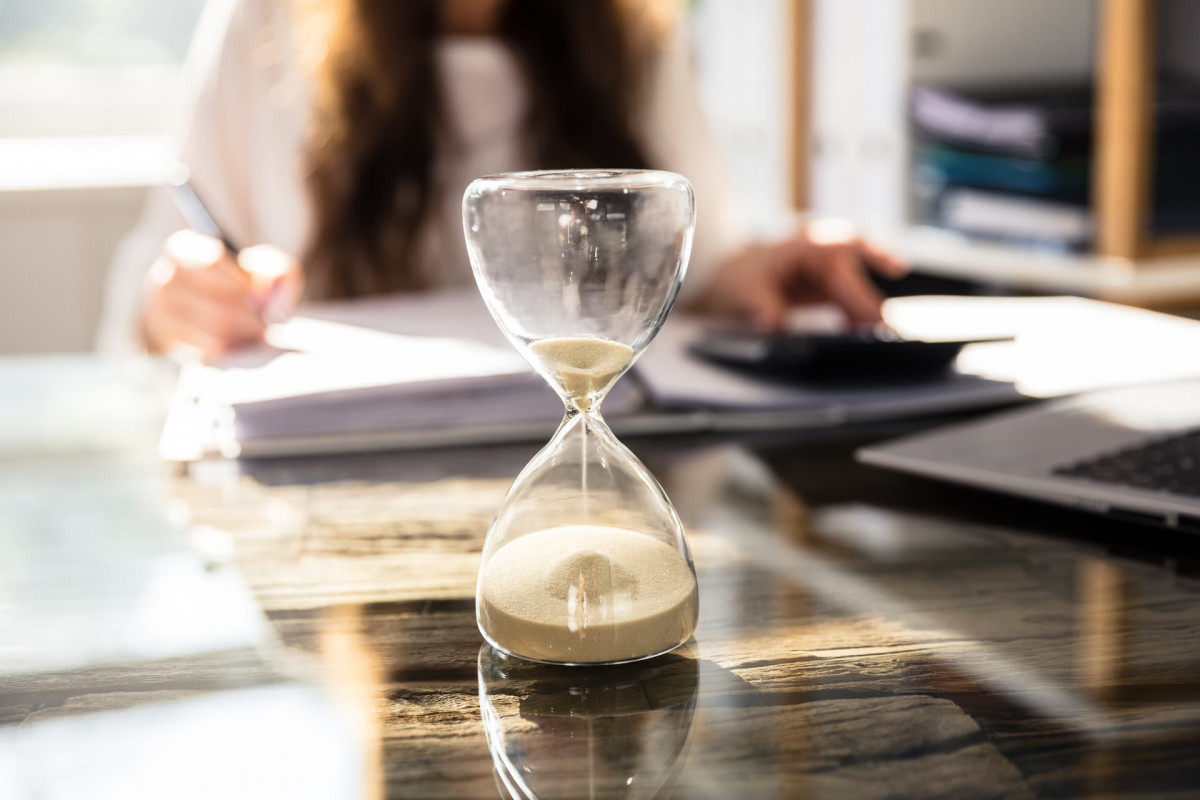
<point>586,560</point>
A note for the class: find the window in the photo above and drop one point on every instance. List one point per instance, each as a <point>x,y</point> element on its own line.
<point>91,67</point>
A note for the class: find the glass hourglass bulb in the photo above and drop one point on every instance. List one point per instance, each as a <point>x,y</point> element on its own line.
<point>586,561</point>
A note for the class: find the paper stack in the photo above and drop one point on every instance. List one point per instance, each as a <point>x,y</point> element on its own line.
<point>348,371</point>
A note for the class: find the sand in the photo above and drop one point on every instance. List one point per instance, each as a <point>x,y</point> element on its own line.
<point>587,594</point>
<point>584,367</point>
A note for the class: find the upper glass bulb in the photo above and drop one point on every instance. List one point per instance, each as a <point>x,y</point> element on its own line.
<point>580,268</point>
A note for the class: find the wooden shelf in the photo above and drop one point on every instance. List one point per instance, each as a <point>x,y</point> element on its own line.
<point>854,161</point>
<point>1161,282</point>
<point>1124,127</point>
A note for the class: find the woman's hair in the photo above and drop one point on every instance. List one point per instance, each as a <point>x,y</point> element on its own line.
<point>379,119</point>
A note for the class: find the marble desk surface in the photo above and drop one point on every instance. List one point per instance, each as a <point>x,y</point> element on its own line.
<point>308,630</point>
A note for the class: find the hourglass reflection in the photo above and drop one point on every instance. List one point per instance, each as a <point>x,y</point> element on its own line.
<point>616,732</point>
<point>586,560</point>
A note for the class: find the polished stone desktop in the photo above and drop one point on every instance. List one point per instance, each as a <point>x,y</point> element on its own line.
<point>305,627</point>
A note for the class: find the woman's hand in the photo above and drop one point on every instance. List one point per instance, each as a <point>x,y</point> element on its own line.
<point>826,261</point>
<point>198,298</point>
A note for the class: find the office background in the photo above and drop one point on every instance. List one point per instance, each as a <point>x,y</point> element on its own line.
<point>808,97</point>
<point>87,90</point>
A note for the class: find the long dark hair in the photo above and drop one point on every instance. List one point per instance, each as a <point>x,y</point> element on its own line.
<point>379,118</point>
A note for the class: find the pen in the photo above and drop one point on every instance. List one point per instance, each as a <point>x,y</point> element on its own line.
<point>200,219</point>
<point>192,208</point>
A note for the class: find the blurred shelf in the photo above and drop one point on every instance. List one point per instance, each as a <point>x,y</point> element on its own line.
<point>1165,281</point>
<point>854,145</point>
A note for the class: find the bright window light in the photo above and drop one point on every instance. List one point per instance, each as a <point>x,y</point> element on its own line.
<point>91,67</point>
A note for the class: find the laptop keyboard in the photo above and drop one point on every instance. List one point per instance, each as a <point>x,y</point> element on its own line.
<point>1170,465</point>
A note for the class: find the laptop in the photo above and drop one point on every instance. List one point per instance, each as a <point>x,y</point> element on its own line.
<point>1132,452</point>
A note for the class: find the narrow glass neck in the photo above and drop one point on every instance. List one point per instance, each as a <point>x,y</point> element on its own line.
<point>590,413</point>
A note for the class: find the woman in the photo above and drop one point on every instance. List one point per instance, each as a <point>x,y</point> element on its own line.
<point>338,136</point>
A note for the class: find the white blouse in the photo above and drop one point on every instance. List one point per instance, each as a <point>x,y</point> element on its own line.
<point>247,112</point>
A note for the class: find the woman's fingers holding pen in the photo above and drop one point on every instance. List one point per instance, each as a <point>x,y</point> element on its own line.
<point>181,320</point>
<point>199,299</point>
<point>277,279</point>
